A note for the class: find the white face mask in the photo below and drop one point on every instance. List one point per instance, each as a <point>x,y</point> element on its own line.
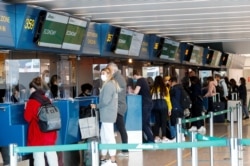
<point>46,79</point>
<point>103,77</point>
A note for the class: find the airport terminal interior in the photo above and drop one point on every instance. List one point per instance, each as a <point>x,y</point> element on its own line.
<point>75,40</point>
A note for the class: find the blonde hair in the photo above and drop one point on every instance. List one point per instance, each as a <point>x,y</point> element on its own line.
<point>110,78</point>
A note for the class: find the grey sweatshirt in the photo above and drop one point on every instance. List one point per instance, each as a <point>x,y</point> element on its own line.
<point>108,103</point>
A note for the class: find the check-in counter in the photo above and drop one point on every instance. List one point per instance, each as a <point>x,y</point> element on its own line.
<point>133,118</point>
<point>13,125</point>
<point>69,132</point>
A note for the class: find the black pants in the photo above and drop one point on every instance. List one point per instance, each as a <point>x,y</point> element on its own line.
<point>120,124</point>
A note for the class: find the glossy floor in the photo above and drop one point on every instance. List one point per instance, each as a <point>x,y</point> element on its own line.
<point>169,157</point>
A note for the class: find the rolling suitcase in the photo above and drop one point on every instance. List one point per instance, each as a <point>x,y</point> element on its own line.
<point>218,106</point>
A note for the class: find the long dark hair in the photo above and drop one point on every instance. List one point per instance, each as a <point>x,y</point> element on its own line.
<point>159,83</point>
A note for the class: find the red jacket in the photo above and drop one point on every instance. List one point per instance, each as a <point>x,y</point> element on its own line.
<point>35,136</point>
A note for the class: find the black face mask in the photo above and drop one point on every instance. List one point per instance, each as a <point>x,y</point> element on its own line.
<point>87,94</point>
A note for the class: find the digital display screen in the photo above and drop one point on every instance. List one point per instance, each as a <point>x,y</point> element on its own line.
<point>53,30</point>
<point>197,54</point>
<point>169,49</point>
<point>216,58</point>
<point>75,33</point>
<point>129,43</point>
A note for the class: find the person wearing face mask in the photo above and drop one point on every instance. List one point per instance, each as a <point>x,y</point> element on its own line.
<point>86,90</point>
<point>108,106</point>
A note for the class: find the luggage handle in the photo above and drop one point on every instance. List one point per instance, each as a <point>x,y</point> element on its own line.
<point>234,95</point>
<point>216,97</point>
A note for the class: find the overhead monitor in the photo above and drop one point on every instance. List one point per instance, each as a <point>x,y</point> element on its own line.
<point>129,42</point>
<point>169,49</point>
<point>188,52</point>
<point>197,54</point>
<point>51,30</point>
<point>216,59</point>
<point>209,57</point>
<point>223,59</point>
<point>229,60</point>
<point>75,34</point>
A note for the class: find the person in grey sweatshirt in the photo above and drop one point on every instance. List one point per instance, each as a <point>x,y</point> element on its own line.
<point>122,106</point>
<point>108,106</point>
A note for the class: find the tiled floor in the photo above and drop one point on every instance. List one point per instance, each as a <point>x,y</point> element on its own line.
<point>169,157</point>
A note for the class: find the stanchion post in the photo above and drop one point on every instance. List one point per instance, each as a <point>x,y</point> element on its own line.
<point>194,151</point>
<point>239,113</point>
<point>13,155</point>
<point>94,152</point>
<point>179,137</point>
<point>234,152</point>
<point>211,127</point>
<point>231,122</point>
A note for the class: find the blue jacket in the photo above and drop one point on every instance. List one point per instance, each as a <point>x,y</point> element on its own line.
<point>175,96</point>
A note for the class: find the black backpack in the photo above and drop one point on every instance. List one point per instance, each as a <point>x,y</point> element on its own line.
<point>49,118</point>
<point>185,102</point>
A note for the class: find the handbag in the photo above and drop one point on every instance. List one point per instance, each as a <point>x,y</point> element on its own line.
<point>89,126</point>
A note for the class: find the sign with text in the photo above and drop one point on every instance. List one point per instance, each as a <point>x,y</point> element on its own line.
<point>53,30</point>
<point>75,33</point>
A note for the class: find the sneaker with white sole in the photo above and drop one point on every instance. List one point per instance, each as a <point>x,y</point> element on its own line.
<point>122,154</point>
<point>193,129</point>
<point>109,163</point>
<point>202,130</point>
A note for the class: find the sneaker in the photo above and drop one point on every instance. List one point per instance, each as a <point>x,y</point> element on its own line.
<point>193,129</point>
<point>122,154</point>
<point>157,140</point>
<point>202,130</point>
<point>165,140</point>
<point>109,163</point>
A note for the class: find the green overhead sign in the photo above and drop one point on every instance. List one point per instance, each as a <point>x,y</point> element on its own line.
<point>53,30</point>
<point>75,33</point>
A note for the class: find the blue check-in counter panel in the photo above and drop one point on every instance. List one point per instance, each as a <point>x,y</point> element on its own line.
<point>133,116</point>
<point>13,126</point>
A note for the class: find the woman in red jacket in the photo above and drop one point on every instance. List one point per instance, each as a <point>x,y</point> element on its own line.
<point>35,136</point>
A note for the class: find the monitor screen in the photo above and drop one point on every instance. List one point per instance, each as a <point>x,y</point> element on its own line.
<point>229,60</point>
<point>75,33</point>
<point>223,59</point>
<point>196,56</point>
<point>209,57</point>
<point>169,49</point>
<point>188,52</point>
<point>216,58</point>
<point>129,43</point>
<point>53,30</point>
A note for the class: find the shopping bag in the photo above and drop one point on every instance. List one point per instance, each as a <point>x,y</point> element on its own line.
<point>89,126</point>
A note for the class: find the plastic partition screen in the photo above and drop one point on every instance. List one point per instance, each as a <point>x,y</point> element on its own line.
<point>197,54</point>
<point>169,49</point>
<point>53,30</point>
<point>75,33</point>
<point>129,43</point>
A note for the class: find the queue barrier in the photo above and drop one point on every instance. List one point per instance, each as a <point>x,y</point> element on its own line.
<point>198,141</point>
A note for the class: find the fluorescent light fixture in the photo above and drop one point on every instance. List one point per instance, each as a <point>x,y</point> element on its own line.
<point>132,4</point>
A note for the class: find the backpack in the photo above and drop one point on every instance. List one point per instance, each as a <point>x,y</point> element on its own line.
<point>185,102</point>
<point>49,118</point>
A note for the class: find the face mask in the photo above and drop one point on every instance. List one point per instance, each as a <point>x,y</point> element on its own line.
<point>60,84</point>
<point>46,79</point>
<point>103,77</point>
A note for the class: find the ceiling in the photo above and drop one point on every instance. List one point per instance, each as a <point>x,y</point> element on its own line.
<point>221,23</point>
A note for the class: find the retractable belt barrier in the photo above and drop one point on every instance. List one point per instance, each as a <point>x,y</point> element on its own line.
<point>198,141</point>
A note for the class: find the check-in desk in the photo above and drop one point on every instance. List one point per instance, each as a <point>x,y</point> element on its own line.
<point>133,118</point>
<point>13,125</point>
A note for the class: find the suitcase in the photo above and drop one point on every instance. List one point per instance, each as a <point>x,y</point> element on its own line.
<point>218,106</point>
